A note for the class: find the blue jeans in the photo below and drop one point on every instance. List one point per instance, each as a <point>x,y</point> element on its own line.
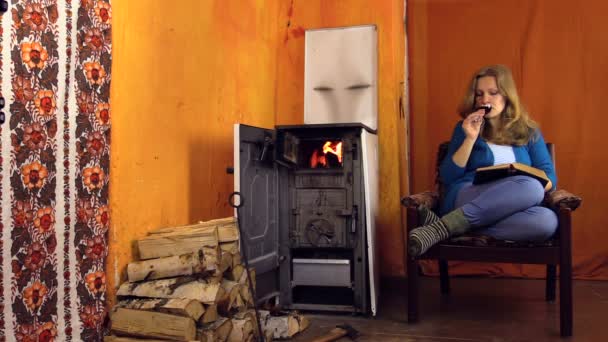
<point>508,209</point>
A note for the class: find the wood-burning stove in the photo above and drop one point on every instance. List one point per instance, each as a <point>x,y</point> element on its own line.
<point>306,212</point>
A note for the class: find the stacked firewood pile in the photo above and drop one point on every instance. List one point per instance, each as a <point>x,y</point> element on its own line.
<point>191,285</point>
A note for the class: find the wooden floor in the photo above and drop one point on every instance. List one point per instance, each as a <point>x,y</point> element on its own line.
<point>478,309</point>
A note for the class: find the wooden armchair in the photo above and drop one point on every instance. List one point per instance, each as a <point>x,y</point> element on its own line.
<point>472,247</point>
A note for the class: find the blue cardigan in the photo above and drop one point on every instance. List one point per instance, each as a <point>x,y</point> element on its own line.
<point>534,153</point>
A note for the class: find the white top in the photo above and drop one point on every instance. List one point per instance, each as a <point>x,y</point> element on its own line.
<point>503,154</point>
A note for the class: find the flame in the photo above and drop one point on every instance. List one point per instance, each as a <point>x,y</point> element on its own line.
<point>337,150</point>
<point>318,158</point>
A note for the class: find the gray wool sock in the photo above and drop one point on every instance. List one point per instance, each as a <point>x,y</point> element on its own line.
<point>426,216</point>
<point>423,238</point>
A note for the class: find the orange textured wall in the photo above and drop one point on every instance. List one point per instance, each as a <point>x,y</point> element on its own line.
<point>185,73</point>
<point>559,57</point>
<point>387,15</point>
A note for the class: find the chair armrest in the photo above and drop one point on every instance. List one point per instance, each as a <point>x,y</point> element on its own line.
<point>429,199</point>
<point>562,199</point>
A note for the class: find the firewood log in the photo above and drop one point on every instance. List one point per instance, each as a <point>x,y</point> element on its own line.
<point>210,314</point>
<point>181,307</point>
<point>173,266</point>
<point>139,323</point>
<point>182,287</point>
<point>285,326</point>
<point>163,245</point>
<point>216,331</point>
<point>227,231</point>
<point>230,247</point>
<point>215,222</point>
<point>225,262</point>
<point>231,291</point>
<point>112,338</point>
<point>242,329</point>
<point>235,273</point>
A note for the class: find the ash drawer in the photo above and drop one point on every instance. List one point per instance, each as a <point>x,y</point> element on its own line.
<point>321,272</point>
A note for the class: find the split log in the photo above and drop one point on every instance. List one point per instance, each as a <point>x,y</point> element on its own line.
<point>181,307</point>
<point>231,292</point>
<point>230,247</point>
<point>164,245</point>
<point>216,331</point>
<point>242,329</point>
<point>173,266</point>
<point>201,224</point>
<point>182,287</point>
<point>225,262</point>
<point>210,314</point>
<point>153,324</point>
<point>285,326</point>
<point>227,231</point>
<point>235,273</point>
<point>237,259</point>
<point>112,338</point>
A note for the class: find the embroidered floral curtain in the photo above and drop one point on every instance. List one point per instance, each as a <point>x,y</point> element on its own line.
<point>55,77</point>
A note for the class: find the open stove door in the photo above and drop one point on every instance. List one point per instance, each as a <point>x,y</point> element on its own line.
<point>256,178</point>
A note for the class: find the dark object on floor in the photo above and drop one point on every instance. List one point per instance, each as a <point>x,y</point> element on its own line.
<point>557,251</point>
<point>337,333</point>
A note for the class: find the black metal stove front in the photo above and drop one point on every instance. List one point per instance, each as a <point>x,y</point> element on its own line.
<point>304,214</point>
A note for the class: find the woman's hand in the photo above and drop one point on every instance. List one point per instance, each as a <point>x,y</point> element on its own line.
<point>472,124</point>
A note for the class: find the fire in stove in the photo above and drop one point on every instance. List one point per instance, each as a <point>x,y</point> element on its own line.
<point>327,156</point>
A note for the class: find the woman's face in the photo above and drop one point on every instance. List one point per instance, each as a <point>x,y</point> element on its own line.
<point>486,93</point>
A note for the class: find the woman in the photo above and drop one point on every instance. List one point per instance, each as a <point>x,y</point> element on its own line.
<point>508,208</point>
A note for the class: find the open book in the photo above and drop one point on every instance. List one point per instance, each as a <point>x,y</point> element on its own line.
<point>490,173</point>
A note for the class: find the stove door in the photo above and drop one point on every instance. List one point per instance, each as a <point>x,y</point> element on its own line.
<point>256,178</point>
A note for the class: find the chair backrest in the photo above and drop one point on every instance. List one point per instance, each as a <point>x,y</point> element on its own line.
<point>442,151</point>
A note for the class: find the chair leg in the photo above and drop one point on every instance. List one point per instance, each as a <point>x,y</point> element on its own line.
<point>565,274</point>
<point>412,290</point>
<point>550,283</point>
<point>444,277</point>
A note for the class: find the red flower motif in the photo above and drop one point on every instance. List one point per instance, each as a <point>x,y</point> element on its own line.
<point>26,333</point>
<point>33,136</point>
<point>93,177</point>
<point>46,332</point>
<point>96,282</point>
<point>33,15</point>
<point>103,10</point>
<point>36,256</point>
<point>103,113</point>
<point>95,72</point>
<point>34,55</point>
<point>94,39</point>
<point>45,102</point>
<point>90,317</point>
<point>95,143</point>
<point>34,174</point>
<point>95,248</point>
<point>22,214</point>
<point>102,216</point>
<point>45,219</point>
<point>33,296</point>
<point>22,87</point>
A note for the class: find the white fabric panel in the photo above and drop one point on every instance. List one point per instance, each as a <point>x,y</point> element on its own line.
<point>340,76</point>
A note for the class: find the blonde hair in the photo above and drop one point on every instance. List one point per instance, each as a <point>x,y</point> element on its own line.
<point>516,127</point>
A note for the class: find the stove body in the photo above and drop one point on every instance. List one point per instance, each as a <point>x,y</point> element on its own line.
<point>307,216</point>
